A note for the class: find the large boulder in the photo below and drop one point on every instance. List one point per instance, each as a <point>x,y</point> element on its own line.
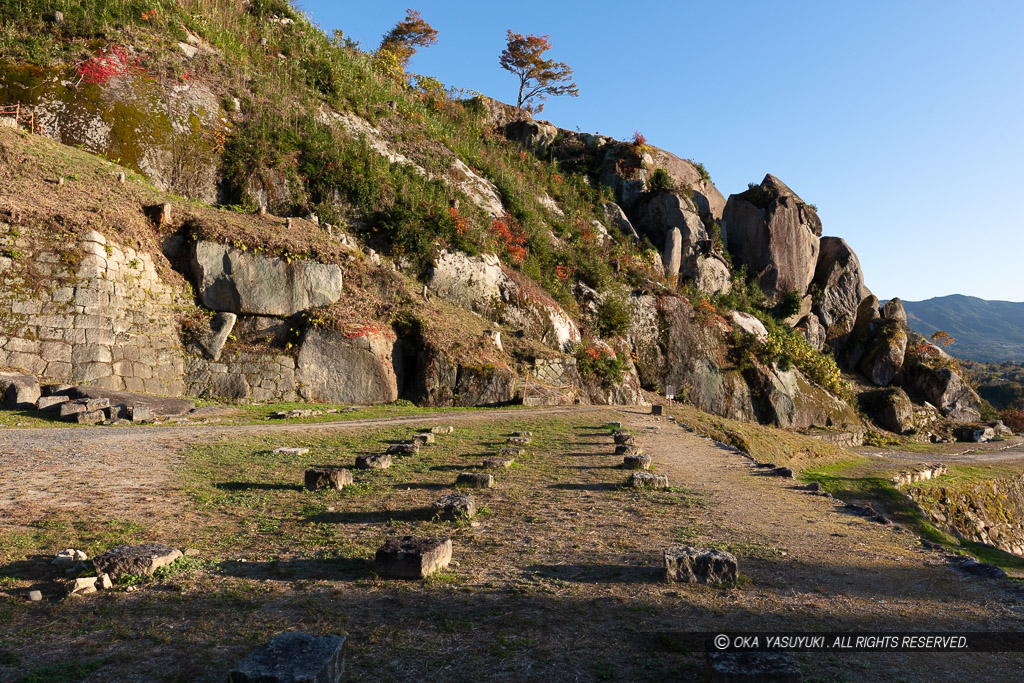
<point>615,217</point>
<point>18,390</point>
<point>945,389</point>
<point>229,279</point>
<point>686,176</point>
<point>884,356</point>
<point>536,136</point>
<point>659,213</point>
<point>775,235</point>
<point>709,274</point>
<point>785,398</point>
<point>347,367</point>
<point>853,345</point>
<point>891,408</point>
<point>840,281</point>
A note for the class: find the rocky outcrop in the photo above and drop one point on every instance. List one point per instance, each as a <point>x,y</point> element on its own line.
<point>884,356</point>
<point>659,213</point>
<point>481,285</point>
<point>615,217</point>
<point>840,283</point>
<point>497,113</point>
<point>944,389</point>
<point>686,175</point>
<point>785,398</point>
<point>710,274</point>
<point>536,136</point>
<point>891,409</point>
<point>18,390</point>
<point>336,367</point>
<point>774,234</point>
<point>229,279</point>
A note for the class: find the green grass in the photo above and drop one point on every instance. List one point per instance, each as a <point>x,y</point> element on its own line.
<point>65,672</point>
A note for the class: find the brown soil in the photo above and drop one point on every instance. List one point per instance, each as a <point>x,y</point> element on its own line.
<point>560,581</point>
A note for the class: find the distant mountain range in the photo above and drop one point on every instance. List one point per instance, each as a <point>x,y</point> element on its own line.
<point>985,331</point>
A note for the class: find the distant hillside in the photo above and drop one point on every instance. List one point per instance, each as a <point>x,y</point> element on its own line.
<point>985,331</point>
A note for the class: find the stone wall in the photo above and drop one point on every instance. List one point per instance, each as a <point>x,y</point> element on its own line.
<point>88,312</point>
<point>242,377</point>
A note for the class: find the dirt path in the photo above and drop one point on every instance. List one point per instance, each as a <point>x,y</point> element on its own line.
<point>1001,452</point>
<point>840,570</point>
<point>126,472</point>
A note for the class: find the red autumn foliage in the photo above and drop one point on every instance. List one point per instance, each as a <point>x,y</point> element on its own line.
<point>510,236</point>
<point>1013,418</point>
<point>538,77</point>
<point>407,35</point>
<point>461,224</point>
<point>108,63</point>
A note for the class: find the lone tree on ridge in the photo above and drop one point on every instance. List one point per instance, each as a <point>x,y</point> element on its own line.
<point>538,77</point>
<point>405,36</point>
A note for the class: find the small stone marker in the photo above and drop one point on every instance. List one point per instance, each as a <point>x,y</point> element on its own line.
<point>624,439</point>
<point>92,417</point>
<point>35,596</point>
<point>511,452</point>
<point>455,506</point>
<point>613,425</point>
<point>475,480</point>
<point>522,433</point>
<point>504,463</point>
<point>66,558</point>
<point>288,450</point>
<point>777,667</point>
<point>141,412</point>
<point>646,480</point>
<point>287,414</point>
<point>423,439</point>
<point>135,559</point>
<point>656,409</point>
<point>413,557</point>
<point>518,441</point>
<point>445,429</point>
<point>380,461</point>
<point>327,478</point>
<point>628,449</point>
<point>700,565</point>
<point>293,658</point>
<point>121,177</point>
<point>784,472</point>
<point>104,582</point>
<point>403,448</point>
<point>637,462</point>
<point>83,586</point>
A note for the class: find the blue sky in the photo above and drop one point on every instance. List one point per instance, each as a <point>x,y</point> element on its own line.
<point>902,121</point>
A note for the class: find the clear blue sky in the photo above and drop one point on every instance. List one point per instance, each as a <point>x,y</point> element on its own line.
<point>902,121</point>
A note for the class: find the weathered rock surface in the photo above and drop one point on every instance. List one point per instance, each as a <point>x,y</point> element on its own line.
<point>333,367</point>
<point>536,136</point>
<point>615,217</point>
<point>18,390</point>
<point>293,658</point>
<point>327,478</point>
<point>700,565</point>
<point>839,278</point>
<point>884,356</point>
<point>647,480</point>
<point>498,463</point>
<point>141,559</point>
<point>475,480</point>
<point>403,449</point>
<point>411,557</point>
<point>732,667</point>
<point>637,462</point>
<point>377,461</point>
<point>158,406</point>
<point>944,389</point>
<point>454,506</point>
<point>749,324</point>
<point>891,408</point>
<point>211,339</point>
<point>774,234</point>
<point>659,213</point>
<point>229,279</point>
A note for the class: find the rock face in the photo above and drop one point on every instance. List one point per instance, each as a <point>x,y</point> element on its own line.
<point>229,279</point>
<point>944,389</point>
<point>672,258</point>
<point>135,559</point>
<point>891,408</point>
<point>210,341</point>
<point>685,175</point>
<point>659,213</point>
<point>18,390</point>
<point>700,565</point>
<point>884,356</point>
<point>536,136</point>
<point>615,217</point>
<point>335,367</point>
<point>839,278</point>
<point>293,658</point>
<point>775,235</point>
<point>481,285</point>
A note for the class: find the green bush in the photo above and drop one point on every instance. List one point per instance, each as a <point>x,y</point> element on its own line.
<point>613,315</point>
<point>661,180</point>
<point>599,362</point>
<point>790,304</point>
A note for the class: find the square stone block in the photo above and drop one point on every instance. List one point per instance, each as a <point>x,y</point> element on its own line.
<point>646,480</point>
<point>628,449</point>
<point>700,565</point>
<point>327,478</point>
<point>403,449</point>
<point>637,462</point>
<point>455,506</point>
<point>423,439</point>
<point>380,461</point>
<point>498,462</point>
<point>293,658</point>
<point>475,480</point>
<point>412,557</point>
<point>518,441</point>
<point>511,452</point>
